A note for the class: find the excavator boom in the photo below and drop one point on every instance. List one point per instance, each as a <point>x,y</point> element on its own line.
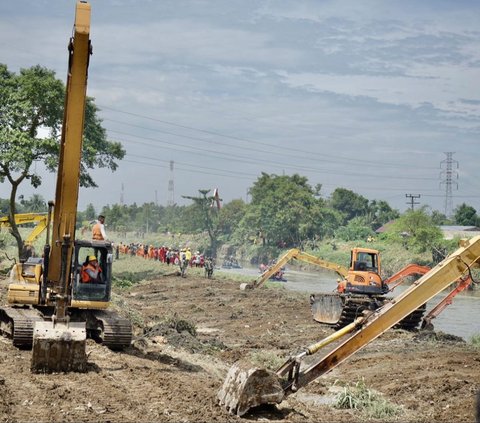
<point>23,218</point>
<point>234,393</point>
<point>60,345</point>
<point>295,253</point>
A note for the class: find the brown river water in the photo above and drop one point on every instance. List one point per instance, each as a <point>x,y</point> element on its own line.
<point>461,318</point>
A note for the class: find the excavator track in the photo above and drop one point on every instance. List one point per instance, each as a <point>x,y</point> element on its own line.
<point>18,323</point>
<point>343,309</point>
<point>109,329</point>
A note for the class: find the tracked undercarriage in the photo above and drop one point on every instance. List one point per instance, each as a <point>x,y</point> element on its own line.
<point>339,310</point>
<point>105,327</point>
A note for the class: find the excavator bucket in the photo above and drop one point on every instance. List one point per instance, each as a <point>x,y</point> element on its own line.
<point>59,347</point>
<point>326,308</point>
<point>246,387</point>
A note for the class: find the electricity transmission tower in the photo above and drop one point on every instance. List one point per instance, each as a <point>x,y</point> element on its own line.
<point>448,176</point>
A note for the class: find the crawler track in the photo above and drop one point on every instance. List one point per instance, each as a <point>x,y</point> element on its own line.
<point>105,327</point>
<point>109,329</point>
<point>349,307</point>
<point>17,323</point>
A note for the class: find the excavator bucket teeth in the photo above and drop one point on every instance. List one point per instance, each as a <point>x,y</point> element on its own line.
<point>246,387</point>
<point>327,308</point>
<point>59,347</point>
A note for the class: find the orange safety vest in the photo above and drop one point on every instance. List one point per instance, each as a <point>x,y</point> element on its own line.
<point>96,232</point>
<point>86,278</point>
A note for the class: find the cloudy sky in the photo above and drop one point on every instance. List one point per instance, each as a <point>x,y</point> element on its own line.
<point>367,96</point>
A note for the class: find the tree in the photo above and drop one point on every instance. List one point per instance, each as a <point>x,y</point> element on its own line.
<point>348,203</point>
<point>357,229</point>
<point>35,204</point>
<point>466,215</point>
<point>90,213</point>
<point>416,229</point>
<point>230,215</point>
<point>210,216</point>
<point>379,213</point>
<point>284,210</point>
<point>34,100</point>
<point>439,218</point>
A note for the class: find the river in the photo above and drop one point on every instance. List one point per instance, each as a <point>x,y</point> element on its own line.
<point>461,318</point>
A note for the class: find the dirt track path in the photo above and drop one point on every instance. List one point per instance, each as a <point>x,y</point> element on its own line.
<point>171,376</point>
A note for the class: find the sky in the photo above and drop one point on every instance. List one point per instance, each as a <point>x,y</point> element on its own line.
<point>367,96</point>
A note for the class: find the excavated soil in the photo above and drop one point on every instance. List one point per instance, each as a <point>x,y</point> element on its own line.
<point>188,332</point>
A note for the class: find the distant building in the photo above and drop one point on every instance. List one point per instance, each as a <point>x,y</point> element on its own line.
<point>384,228</point>
<point>454,231</point>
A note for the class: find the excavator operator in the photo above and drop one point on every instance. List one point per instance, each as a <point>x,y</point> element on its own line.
<point>91,271</point>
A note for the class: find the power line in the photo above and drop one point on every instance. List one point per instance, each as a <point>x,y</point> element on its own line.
<point>250,160</point>
<point>272,147</point>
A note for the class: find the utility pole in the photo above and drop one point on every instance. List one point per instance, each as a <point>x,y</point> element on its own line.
<point>448,174</point>
<point>121,196</point>
<point>412,201</point>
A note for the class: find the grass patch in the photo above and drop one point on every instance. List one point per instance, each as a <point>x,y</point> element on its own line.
<point>370,403</point>
<point>475,341</point>
<point>266,359</point>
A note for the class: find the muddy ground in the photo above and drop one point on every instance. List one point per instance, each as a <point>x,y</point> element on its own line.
<point>174,375</point>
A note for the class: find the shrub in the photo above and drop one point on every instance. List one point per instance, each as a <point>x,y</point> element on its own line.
<point>475,341</point>
<point>359,397</point>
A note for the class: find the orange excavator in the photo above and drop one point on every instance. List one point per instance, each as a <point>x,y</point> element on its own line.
<point>360,287</point>
<point>246,387</point>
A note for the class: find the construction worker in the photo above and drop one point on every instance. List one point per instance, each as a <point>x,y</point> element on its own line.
<point>91,271</point>
<point>188,255</point>
<point>98,234</point>
<point>98,230</point>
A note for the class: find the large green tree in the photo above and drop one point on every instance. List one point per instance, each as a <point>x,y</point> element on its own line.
<point>31,101</point>
<point>284,211</point>
<point>466,215</point>
<point>348,203</point>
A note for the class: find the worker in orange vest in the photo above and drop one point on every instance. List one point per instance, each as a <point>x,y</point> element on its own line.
<point>98,230</point>
<point>91,271</point>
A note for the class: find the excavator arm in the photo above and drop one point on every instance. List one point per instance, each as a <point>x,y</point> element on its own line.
<point>60,345</point>
<point>245,388</point>
<point>295,253</point>
<point>23,218</point>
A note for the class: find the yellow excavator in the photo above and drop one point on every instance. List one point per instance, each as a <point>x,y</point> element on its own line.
<point>360,287</point>
<point>50,308</point>
<point>246,387</point>
<point>40,220</point>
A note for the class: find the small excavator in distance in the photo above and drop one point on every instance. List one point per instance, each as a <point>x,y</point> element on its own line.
<point>246,387</point>
<point>40,220</point>
<point>360,287</point>
<point>50,309</point>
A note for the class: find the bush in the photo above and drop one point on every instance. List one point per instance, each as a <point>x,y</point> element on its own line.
<point>475,341</point>
<point>359,397</point>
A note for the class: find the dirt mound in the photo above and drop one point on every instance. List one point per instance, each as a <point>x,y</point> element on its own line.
<point>439,336</point>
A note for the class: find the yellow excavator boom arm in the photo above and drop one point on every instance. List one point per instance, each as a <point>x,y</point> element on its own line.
<point>295,253</point>
<point>23,218</point>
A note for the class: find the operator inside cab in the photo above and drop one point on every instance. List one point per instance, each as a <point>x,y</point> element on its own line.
<point>91,271</point>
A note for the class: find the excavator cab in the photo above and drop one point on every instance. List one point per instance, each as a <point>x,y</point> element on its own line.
<point>364,275</point>
<point>92,295</point>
